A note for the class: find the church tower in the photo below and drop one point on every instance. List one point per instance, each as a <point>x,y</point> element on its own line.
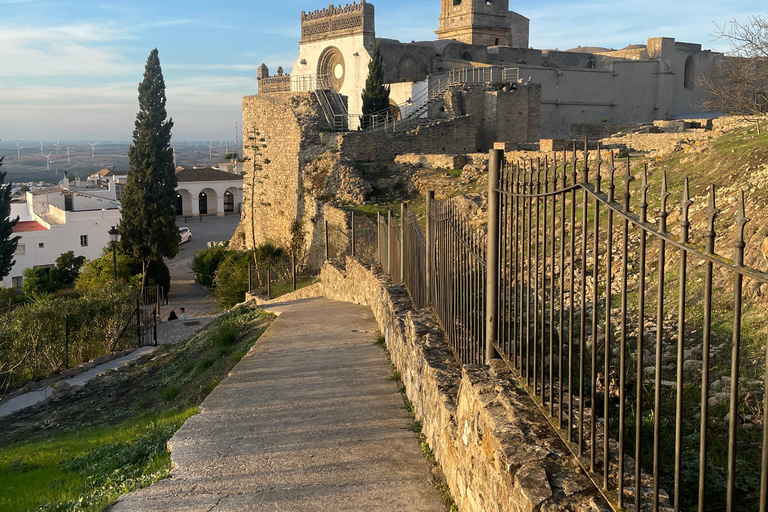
<point>483,22</point>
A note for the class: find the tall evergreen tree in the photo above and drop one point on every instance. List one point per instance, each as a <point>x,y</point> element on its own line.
<point>148,226</point>
<point>375,94</point>
<point>7,242</point>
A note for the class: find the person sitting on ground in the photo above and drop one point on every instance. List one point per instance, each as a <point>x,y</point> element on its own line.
<point>183,315</point>
<point>172,316</point>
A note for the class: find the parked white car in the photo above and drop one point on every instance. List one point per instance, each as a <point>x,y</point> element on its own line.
<point>186,235</point>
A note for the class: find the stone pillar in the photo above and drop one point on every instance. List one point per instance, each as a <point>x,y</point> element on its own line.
<point>195,203</point>
<point>220,205</point>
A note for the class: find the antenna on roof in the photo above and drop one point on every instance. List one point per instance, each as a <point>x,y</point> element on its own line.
<point>93,149</point>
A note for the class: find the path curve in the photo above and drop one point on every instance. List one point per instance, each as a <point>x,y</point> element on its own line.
<point>307,420</point>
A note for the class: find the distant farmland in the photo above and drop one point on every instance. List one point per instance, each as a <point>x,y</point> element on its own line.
<point>31,166</point>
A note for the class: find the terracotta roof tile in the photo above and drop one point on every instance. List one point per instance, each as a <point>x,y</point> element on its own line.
<point>30,225</point>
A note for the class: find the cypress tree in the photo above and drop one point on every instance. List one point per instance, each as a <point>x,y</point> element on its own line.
<point>7,242</point>
<point>148,226</point>
<point>375,94</point>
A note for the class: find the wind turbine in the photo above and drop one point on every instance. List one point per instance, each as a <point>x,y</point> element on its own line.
<point>210,148</point>
<point>174,156</point>
<point>18,151</point>
<point>41,148</point>
<point>57,147</point>
<point>68,161</point>
<point>48,158</point>
<point>93,149</point>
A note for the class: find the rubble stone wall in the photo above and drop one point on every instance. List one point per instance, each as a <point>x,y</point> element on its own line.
<point>281,137</point>
<point>454,136</point>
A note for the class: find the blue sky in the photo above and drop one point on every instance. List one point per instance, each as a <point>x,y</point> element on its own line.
<point>69,69</point>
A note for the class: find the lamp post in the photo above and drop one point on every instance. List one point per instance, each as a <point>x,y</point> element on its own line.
<point>114,237</point>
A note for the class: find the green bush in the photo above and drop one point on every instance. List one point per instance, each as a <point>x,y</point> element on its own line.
<point>206,262</point>
<point>158,274</point>
<point>231,278</point>
<point>34,342</point>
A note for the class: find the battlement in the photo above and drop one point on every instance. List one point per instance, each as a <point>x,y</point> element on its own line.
<point>334,22</point>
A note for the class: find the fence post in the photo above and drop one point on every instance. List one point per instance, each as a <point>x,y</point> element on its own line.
<point>138,323</point>
<point>430,246</point>
<point>154,326</point>
<point>293,270</point>
<point>390,244</point>
<point>66,343</point>
<point>269,284</point>
<point>378,240</point>
<point>403,208</point>
<point>327,249</point>
<point>353,234</point>
<point>492,254</point>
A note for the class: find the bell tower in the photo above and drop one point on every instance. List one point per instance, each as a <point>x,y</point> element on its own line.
<point>483,22</point>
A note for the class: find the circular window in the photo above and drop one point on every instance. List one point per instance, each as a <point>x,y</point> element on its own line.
<point>331,69</point>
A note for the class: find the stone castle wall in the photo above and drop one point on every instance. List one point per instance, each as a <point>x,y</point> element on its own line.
<point>450,136</point>
<point>335,22</point>
<point>497,115</point>
<point>280,138</point>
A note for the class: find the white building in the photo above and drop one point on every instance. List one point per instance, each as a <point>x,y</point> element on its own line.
<point>208,191</point>
<point>59,219</point>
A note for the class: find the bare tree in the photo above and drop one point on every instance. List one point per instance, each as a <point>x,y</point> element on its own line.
<point>739,84</point>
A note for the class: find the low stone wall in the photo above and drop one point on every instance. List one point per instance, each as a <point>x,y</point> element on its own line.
<point>497,451</point>
<point>454,136</point>
<point>433,161</point>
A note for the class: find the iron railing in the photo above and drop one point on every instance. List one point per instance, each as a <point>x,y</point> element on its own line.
<point>288,275</point>
<point>628,336</point>
<point>413,257</point>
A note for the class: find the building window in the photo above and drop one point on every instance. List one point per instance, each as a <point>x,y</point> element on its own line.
<point>456,2</point>
<point>83,240</point>
<point>41,245</point>
<point>17,281</point>
<point>20,249</point>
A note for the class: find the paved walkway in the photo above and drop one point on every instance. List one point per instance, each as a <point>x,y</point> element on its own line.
<point>307,420</point>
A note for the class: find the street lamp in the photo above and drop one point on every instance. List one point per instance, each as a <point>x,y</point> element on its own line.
<point>114,237</point>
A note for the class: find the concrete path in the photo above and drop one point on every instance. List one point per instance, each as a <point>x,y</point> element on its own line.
<point>307,420</point>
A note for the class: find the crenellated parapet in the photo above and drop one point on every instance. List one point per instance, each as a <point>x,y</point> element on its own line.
<point>336,21</point>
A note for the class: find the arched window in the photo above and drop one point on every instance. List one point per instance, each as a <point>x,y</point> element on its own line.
<point>203,203</point>
<point>688,78</point>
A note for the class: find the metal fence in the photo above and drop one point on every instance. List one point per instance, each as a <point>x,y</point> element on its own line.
<point>640,344</point>
<point>457,278</point>
<point>414,266</point>
<point>270,281</point>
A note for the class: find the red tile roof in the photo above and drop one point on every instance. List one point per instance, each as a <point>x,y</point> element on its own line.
<point>30,225</point>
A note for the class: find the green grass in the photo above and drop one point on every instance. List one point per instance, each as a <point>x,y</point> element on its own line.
<point>110,438</point>
<point>90,469</point>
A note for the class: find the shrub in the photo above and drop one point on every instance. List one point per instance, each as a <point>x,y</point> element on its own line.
<point>231,278</point>
<point>206,262</point>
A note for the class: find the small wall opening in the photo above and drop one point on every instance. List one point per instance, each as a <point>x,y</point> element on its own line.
<point>688,74</point>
